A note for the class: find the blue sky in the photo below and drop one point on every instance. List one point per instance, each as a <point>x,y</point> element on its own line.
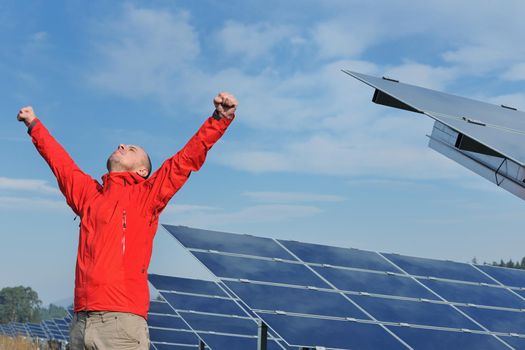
<point>309,157</point>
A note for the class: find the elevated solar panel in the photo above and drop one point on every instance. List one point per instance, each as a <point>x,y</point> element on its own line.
<point>167,330</point>
<point>52,329</point>
<point>20,329</point>
<point>485,138</point>
<point>312,295</point>
<point>211,313</point>
<point>63,325</point>
<point>36,331</point>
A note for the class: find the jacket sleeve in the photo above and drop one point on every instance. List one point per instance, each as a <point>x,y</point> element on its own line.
<point>174,172</point>
<point>74,184</point>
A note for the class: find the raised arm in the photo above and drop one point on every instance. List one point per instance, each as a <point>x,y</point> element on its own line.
<point>74,184</point>
<point>174,172</point>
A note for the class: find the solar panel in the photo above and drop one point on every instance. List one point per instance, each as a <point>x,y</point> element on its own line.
<point>20,329</point>
<point>63,325</point>
<point>53,330</point>
<point>36,331</point>
<point>485,138</point>
<point>384,301</point>
<point>167,330</point>
<point>509,277</point>
<point>210,312</point>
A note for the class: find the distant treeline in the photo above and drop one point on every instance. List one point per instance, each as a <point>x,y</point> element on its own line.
<point>21,304</point>
<point>511,264</point>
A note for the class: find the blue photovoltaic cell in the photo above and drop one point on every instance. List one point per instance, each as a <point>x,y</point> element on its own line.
<point>520,292</point>
<point>429,339</point>
<point>506,276</point>
<point>517,342</point>
<point>232,327</point>
<point>439,269</point>
<point>172,336</point>
<point>305,301</point>
<point>20,328</point>
<point>202,304</point>
<point>227,242</point>
<point>185,285</point>
<point>346,257</point>
<point>330,333</point>
<point>160,307</point>
<point>312,332</point>
<point>475,294</point>
<point>61,323</point>
<point>36,330</point>
<point>220,324</point>
<point>414,312</point>
<point>377,283</point>
<point>498,320</point>
<point>220,342</point>
<point>166,321</point>
<point>259,270</point>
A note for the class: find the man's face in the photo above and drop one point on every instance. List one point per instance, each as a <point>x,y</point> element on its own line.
<point>127,158</point>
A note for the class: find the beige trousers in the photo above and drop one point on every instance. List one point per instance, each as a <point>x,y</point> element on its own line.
<point>102,330</point>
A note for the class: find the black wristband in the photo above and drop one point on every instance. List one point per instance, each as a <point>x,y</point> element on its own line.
<point>31,126</point>
<point>216,115</point>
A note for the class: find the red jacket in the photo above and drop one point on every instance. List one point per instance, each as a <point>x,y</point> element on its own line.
<point>119,218</point>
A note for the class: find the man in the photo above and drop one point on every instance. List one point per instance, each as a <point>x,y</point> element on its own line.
<point>119,219</point>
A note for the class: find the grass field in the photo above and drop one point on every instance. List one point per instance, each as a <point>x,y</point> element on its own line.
<point>22,343</point>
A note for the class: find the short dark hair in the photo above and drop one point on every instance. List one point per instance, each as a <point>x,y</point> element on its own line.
<point>148,165</point>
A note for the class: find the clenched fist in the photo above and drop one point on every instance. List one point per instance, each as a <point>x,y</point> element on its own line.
<point>225,105</point>
<point>26,115</point>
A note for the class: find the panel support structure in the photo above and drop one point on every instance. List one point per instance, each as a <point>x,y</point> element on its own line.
<point>262,339</point>
<point>202,346</point>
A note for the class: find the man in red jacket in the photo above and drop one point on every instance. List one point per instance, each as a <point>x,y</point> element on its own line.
<point>118,220</point>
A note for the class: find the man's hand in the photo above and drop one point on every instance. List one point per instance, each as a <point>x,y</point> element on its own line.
<point>26,115</point>
<point>225,105</point>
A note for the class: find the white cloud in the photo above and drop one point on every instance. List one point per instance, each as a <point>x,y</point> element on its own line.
<point>344,38</point>
<point>291,197</point>
<point>252,214</point>
<point>479,59</point>
<point>32,204</point>
<point>254,40</point>
<point>187,208</point>
<point>389,146</point>
<point>143,51</point>
<point>41,186</point>
<point>516,100</point>
<point>431,77</point>
<point>315,120</point>
<point>515,73</point>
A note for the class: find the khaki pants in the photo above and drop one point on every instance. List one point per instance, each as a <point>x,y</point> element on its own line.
<point>102,330</point>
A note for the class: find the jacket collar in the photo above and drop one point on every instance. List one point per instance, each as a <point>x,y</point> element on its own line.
<point>120,179</point>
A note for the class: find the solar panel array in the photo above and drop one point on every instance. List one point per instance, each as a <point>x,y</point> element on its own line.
<point>207,311</point>
<point>485,138</point>
<point>339,298</point>
<point>56,329</point>
<point>167,330</point>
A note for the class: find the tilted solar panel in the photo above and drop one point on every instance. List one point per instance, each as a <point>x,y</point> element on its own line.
<point>485,138</point>
<point>167,330</point>
<point>210,312</point>
<point>341,298</point>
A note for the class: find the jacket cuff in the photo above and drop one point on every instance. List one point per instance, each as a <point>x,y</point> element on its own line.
<point>32,125</point>
<point>218,117</point>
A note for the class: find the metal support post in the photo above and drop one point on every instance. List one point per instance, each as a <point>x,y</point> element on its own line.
<point>262,339</point>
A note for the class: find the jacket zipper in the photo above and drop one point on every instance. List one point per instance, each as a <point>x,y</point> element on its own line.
<point>124,225</point>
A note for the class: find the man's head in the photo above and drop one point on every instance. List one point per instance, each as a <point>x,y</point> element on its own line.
<point>130,158</point>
